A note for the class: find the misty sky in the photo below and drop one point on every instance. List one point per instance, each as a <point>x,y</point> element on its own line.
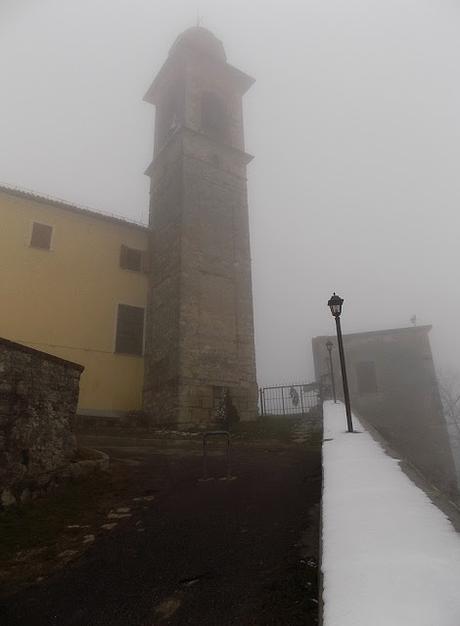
<point>353,120</point>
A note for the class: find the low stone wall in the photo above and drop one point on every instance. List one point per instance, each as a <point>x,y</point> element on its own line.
<point>38,401</point>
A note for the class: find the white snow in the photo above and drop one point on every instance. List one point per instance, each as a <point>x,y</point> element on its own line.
<point>390,557</point>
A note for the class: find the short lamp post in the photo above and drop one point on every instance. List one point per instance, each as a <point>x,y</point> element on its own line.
<point>329,346</point>
<point>335,304</point>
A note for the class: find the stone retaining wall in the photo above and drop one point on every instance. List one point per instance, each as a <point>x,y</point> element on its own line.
<point>38,401</point>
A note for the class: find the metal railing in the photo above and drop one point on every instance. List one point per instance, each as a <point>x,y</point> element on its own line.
<point>295,399</point>
<point>215,433</point>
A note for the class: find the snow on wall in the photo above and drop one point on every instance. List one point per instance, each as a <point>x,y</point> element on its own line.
<point>389,556</point>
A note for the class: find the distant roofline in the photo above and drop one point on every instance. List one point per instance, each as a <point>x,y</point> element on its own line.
<point>67,206</point>
<point>426,328</point>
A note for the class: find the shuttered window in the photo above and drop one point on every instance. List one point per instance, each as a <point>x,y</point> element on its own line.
<point>130,329</point>
<point>214,116</point>
<point>41,236</point>
<point>131,259</point>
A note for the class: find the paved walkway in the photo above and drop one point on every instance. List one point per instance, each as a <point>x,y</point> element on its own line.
<point>389,555</point>
<point>206,553</point>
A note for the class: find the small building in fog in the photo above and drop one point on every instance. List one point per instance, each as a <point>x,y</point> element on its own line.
<point>393,386</point>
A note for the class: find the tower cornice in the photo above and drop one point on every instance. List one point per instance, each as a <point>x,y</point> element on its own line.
<point>240,80</point>
<point>245,157</point>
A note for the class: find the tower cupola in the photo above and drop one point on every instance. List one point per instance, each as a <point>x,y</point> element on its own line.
<point>202,40</point>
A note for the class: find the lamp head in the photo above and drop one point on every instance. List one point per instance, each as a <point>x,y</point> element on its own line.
<point>335,304</point>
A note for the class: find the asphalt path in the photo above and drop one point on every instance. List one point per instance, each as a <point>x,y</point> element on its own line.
<point>217,553</point>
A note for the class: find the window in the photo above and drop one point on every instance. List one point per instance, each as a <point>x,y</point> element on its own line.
<point>169,114</point>
<point>131,259</point>
<point>367,379</point>
<point>41,236</point>
<point>214,115</point>
<point>130,329</point>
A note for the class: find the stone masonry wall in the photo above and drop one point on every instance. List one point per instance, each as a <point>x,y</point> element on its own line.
<point>200,327</point>
<point>38,402</point>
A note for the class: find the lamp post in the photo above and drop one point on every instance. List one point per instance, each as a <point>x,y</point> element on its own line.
<point>335,304</point>
<point>329,346</point>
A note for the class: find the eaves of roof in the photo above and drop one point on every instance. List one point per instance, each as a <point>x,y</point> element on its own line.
<point>66,206</point>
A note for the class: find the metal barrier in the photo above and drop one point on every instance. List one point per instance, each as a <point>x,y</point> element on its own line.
<point>215,433</point>
<point>296,399</point>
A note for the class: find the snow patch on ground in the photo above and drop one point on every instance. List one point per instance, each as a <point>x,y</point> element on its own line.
<point>389,556</point>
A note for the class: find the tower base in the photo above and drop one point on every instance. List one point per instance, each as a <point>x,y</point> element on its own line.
<point>194,404</point>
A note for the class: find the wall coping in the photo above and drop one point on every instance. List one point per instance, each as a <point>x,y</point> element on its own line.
<point>12,345</point>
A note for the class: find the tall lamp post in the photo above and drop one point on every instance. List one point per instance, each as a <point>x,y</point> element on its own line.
<point>335,304</point>
<point>329,346</point>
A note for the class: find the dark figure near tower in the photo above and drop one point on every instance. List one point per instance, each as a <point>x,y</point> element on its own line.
<point>200,331</point>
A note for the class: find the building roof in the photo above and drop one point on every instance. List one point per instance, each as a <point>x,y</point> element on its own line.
<point>377,333</point>
<point>66,206</point>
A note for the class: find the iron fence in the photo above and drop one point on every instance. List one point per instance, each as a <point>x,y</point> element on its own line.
<point>296,399</point>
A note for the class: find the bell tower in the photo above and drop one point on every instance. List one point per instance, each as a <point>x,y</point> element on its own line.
<point>200,331</point>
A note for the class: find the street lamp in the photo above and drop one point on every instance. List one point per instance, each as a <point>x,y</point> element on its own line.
<point>329,346</point>
<point>335,304</point>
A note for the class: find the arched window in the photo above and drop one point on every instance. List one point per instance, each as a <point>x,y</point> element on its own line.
<point>214,116</point>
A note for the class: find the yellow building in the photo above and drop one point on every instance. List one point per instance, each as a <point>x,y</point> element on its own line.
<point>72,283</point>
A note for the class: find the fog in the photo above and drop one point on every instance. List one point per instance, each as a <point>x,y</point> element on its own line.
<point>353,120</point>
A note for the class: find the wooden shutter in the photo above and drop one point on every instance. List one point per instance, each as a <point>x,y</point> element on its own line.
<point>41,236</point>
<point>130,259</point>
<point>214,115</point>
<point>130,330</point>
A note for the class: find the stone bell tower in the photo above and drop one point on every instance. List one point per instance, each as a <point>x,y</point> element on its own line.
<point>200,331</point>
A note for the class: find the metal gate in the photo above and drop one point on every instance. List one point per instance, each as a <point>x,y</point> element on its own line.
<point>297,399</point>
